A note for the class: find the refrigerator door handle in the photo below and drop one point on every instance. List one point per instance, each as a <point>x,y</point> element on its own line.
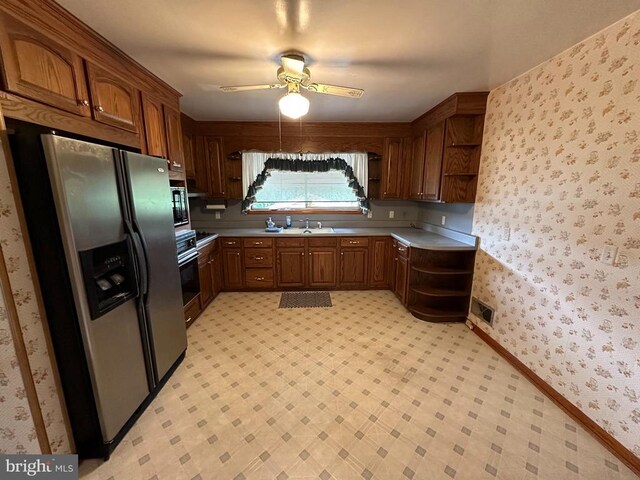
<point>144,264</point>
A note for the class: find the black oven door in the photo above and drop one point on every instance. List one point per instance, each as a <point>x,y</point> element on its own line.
<point>189,278</point>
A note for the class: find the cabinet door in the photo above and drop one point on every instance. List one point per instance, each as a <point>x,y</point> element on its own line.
<point>353,267</point>
<point>154,126</point>
<point>187,147</point>
<point>206,288</point>
<point>433,162</point>
<point>232,267</point>
<point>174,139</point>
<point>215,164</point>
<point>380,266</point>
<point>200,163</point>
<point>290,267</point>
<point>36,67</point>
<point>391,168</point>
<point>417,167</point>
<point>216,272</point>
<point>114,101</point>
<point>323,267</point>
<point>401,279</point>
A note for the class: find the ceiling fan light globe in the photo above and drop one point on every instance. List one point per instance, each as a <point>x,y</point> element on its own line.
<point>293,105</point>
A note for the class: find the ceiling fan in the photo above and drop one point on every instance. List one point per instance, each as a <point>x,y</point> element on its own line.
<point>294,75</point>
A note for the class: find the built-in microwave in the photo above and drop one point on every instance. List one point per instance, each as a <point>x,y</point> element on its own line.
<point>179,205</point>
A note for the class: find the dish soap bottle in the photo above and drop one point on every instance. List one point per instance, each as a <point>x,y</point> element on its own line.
<point>270,223</point>
<point>288,221</point>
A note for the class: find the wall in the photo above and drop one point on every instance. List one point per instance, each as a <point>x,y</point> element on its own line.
<point>459,216</point>
<point>405,213</point>
<point>17,428</point>
<point>561,168</point>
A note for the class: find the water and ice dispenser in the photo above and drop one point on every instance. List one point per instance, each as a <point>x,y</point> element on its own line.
<point>109,277</point>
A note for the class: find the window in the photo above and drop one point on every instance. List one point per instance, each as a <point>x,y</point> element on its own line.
<point>286,190</point>
<point>280,181</point>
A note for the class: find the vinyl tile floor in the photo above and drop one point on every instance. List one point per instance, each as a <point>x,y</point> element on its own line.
<point>360,390</point>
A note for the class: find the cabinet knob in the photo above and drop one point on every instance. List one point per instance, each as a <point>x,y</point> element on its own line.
<point>99,108</point>
<point>238,254</point>
<point>303,254</point>
<point>84,102</point>
<point>342,254</point>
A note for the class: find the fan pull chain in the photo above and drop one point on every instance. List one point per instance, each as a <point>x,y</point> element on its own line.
<point>280,128</point>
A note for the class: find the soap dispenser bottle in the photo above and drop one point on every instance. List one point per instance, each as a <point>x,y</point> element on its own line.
<point>270,223</point>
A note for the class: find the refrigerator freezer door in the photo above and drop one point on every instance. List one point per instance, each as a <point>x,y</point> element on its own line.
<point>85,191</point>
<point>152,216</point>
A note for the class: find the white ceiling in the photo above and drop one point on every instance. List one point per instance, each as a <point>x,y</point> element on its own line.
<point>407,54</point>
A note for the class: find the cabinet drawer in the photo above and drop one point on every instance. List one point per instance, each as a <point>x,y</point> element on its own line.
<point>231,243</point>
<point>290,242</point>
<point>258,242</point>
<point>323,242</point>
<point>192,312</point>
<point>258,257</point>
<point>259,278</point>
<point>402,250</point>
<point>354,241</point>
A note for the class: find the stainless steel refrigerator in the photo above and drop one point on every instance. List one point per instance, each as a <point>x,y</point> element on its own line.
<point>101,225</point>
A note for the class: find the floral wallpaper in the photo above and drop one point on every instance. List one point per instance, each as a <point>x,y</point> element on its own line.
<point>17,432</point>
<point>12,433</point>
<point>560,182</point>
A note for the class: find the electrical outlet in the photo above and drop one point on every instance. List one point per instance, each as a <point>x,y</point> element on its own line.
<point>609,253</point>
<point>444,220</point>
<point>621,260</point>
<point>392,214</point>
<point>506,234</point>
<point>217,215</point>
<point>369,214</point>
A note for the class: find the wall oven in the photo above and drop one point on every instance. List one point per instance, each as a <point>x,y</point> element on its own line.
<point>188,264</point>
<point>180,206</point>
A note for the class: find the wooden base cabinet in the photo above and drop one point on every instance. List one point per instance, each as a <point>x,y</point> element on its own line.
<point>354,262</point>
<point>303,263</point>
<point>232,264</point>
<point>380,262</point>
<point>210,274</point>
<point>440,284</point>
<point>400,270</point>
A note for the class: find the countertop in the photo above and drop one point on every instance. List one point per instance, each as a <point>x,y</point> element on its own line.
<point>412,237</point>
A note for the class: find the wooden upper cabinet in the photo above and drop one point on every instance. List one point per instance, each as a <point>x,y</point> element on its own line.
<point>215,164</point>
<point>187,148</point>
<point>114,101</point>
<point>391,168</point>
<point>36,67</point>
<point>154,126</point>
<point>433,162</point>
<point>174,138</point>
<point>417,167</point>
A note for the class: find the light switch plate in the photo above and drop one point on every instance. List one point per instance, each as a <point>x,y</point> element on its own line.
<point>609,253</point>
<point>369,214</point>
<point>444,220</point>
<point>392,214</point>
<point>217,215</point>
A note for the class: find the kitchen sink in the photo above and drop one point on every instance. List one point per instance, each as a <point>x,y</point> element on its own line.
<point>310,231</point>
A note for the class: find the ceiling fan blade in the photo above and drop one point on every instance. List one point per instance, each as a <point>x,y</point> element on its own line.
<point>244,88</point>
<point>293,65</point>
<point>334,90</point>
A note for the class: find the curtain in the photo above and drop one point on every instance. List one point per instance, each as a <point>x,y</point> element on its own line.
<point>253,164</point>
<point>256,167</point>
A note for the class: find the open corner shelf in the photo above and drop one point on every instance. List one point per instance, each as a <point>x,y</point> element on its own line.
<point>440,284</point>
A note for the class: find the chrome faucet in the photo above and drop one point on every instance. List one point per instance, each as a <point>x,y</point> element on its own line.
<point>306,220</point>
